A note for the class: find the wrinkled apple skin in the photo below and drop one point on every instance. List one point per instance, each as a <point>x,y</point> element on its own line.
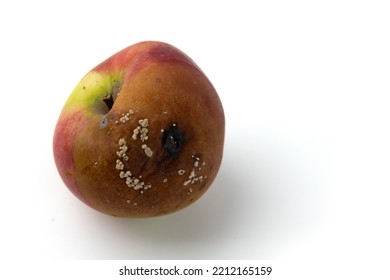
<point>142,134</point>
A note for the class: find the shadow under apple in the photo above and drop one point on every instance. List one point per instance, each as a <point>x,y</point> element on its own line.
<point>175,236</point>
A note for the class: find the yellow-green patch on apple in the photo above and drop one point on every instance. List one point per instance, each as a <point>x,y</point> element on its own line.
<point>91,90</point>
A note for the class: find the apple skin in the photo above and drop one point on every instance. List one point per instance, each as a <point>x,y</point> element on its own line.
<point>142,134</point>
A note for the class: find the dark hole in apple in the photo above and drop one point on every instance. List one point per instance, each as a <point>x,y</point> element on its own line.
<point>109,101</point>
<point>112,95</point>
<point>173,139</point>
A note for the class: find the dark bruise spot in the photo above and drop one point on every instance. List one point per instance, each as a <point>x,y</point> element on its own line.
<point>173,139</point>
<point>103,123</point>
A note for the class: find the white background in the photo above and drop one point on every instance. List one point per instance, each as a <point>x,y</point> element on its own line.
<point>306,170</point>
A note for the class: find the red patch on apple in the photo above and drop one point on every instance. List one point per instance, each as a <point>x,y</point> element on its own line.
<point>63,143</point>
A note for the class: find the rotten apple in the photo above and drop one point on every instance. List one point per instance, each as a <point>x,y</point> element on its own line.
<point>142,133</point>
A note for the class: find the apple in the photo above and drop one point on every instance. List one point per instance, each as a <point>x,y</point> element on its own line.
<point>142,134</point>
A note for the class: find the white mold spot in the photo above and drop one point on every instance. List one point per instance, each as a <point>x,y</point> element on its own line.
<point>148,152</point>
<point>192,174</point>
<point>122,142</point>
<point>181,172</point>
<point>130,180</point>
<point>141,130</point>
<point>122,149</point>
<point>193,177</point>
<point>144,134</point>
<point>136,132</point>
<point>144,122</point>
<point>119,165</point>
<point>125,117</point>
